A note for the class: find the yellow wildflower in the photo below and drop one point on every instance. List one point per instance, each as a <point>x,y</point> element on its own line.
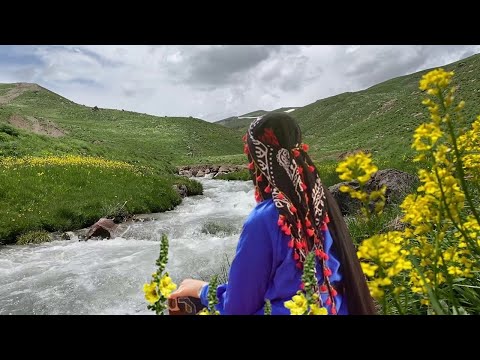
<point>298,305</point>
<point>151,294</point>
<point>166,285</point>
<point>358,166</point>
<point>204,311</point>
<point>436,79</point>
<point>317,310</point>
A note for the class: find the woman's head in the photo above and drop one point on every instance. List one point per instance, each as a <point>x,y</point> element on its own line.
<point>281,169</point>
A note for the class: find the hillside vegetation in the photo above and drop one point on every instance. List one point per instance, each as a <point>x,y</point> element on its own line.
<point>380,119</point>
<point>55,159</point>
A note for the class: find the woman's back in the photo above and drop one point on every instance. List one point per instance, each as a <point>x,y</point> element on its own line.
<point>264,268</point>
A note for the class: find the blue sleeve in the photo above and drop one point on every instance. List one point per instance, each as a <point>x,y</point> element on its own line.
<point>249,275</point>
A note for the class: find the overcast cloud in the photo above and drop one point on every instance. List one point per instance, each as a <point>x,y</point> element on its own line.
<point>213,82</point>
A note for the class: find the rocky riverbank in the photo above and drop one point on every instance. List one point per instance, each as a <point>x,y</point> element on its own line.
<point>210,170</point>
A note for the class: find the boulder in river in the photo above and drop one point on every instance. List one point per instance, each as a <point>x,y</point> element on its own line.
<point>103,228</point>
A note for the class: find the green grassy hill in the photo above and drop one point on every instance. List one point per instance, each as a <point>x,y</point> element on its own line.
<point>49,122</point>
<point>44,187</point>
<point>380,119</point>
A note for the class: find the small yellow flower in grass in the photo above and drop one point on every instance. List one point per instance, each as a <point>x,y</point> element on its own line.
<point>298,305</point>
<point>167,286</point>
<point>460,106</point>
<point>425,302</point>
<point>151,293</point>
<point>317,310</point>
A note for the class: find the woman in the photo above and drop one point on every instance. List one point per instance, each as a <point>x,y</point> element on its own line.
<point>295,214</point>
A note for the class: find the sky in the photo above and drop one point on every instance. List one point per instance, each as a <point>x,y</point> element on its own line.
<point>213,82</point>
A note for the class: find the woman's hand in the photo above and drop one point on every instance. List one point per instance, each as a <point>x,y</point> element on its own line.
<point>188,287</point>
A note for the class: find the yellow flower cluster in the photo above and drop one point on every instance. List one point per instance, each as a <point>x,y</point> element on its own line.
<point>166,286</point>
<point>204,311</point>
<point>158,286</point>
<point>469,143</point>
<point>67,160</point>
<point>357,167</point>
<point>435,80</point>
<point>386,258</point>
<point>426,135</point>
<point>360,167</point>
<point>299,306</point>
<point>151,293</point>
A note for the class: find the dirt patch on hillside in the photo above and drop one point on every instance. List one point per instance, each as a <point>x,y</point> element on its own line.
<point>37,126</point>
<point>388,105</point>
<point>18,90</point>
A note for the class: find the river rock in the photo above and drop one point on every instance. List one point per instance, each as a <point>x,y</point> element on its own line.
<point>182,190</point>
<point>69,235</point>
<point>200,173</point>
<point>103,228</point>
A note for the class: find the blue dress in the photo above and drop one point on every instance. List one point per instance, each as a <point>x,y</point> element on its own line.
<point>264,268</point>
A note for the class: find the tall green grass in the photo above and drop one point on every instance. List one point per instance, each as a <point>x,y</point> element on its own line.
<point>61,198</point>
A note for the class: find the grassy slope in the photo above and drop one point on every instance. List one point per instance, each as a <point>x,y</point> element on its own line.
<point>381,118</point>
<point>56,198</point>
<point>120,135</point>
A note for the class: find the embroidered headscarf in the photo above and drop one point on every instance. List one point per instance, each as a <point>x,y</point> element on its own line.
<point>281,169</point>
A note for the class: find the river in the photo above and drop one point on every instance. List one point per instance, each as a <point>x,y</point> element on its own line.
<point>107,276</point>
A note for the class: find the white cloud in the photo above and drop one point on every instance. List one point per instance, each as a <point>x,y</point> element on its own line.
<point>214,82</point>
